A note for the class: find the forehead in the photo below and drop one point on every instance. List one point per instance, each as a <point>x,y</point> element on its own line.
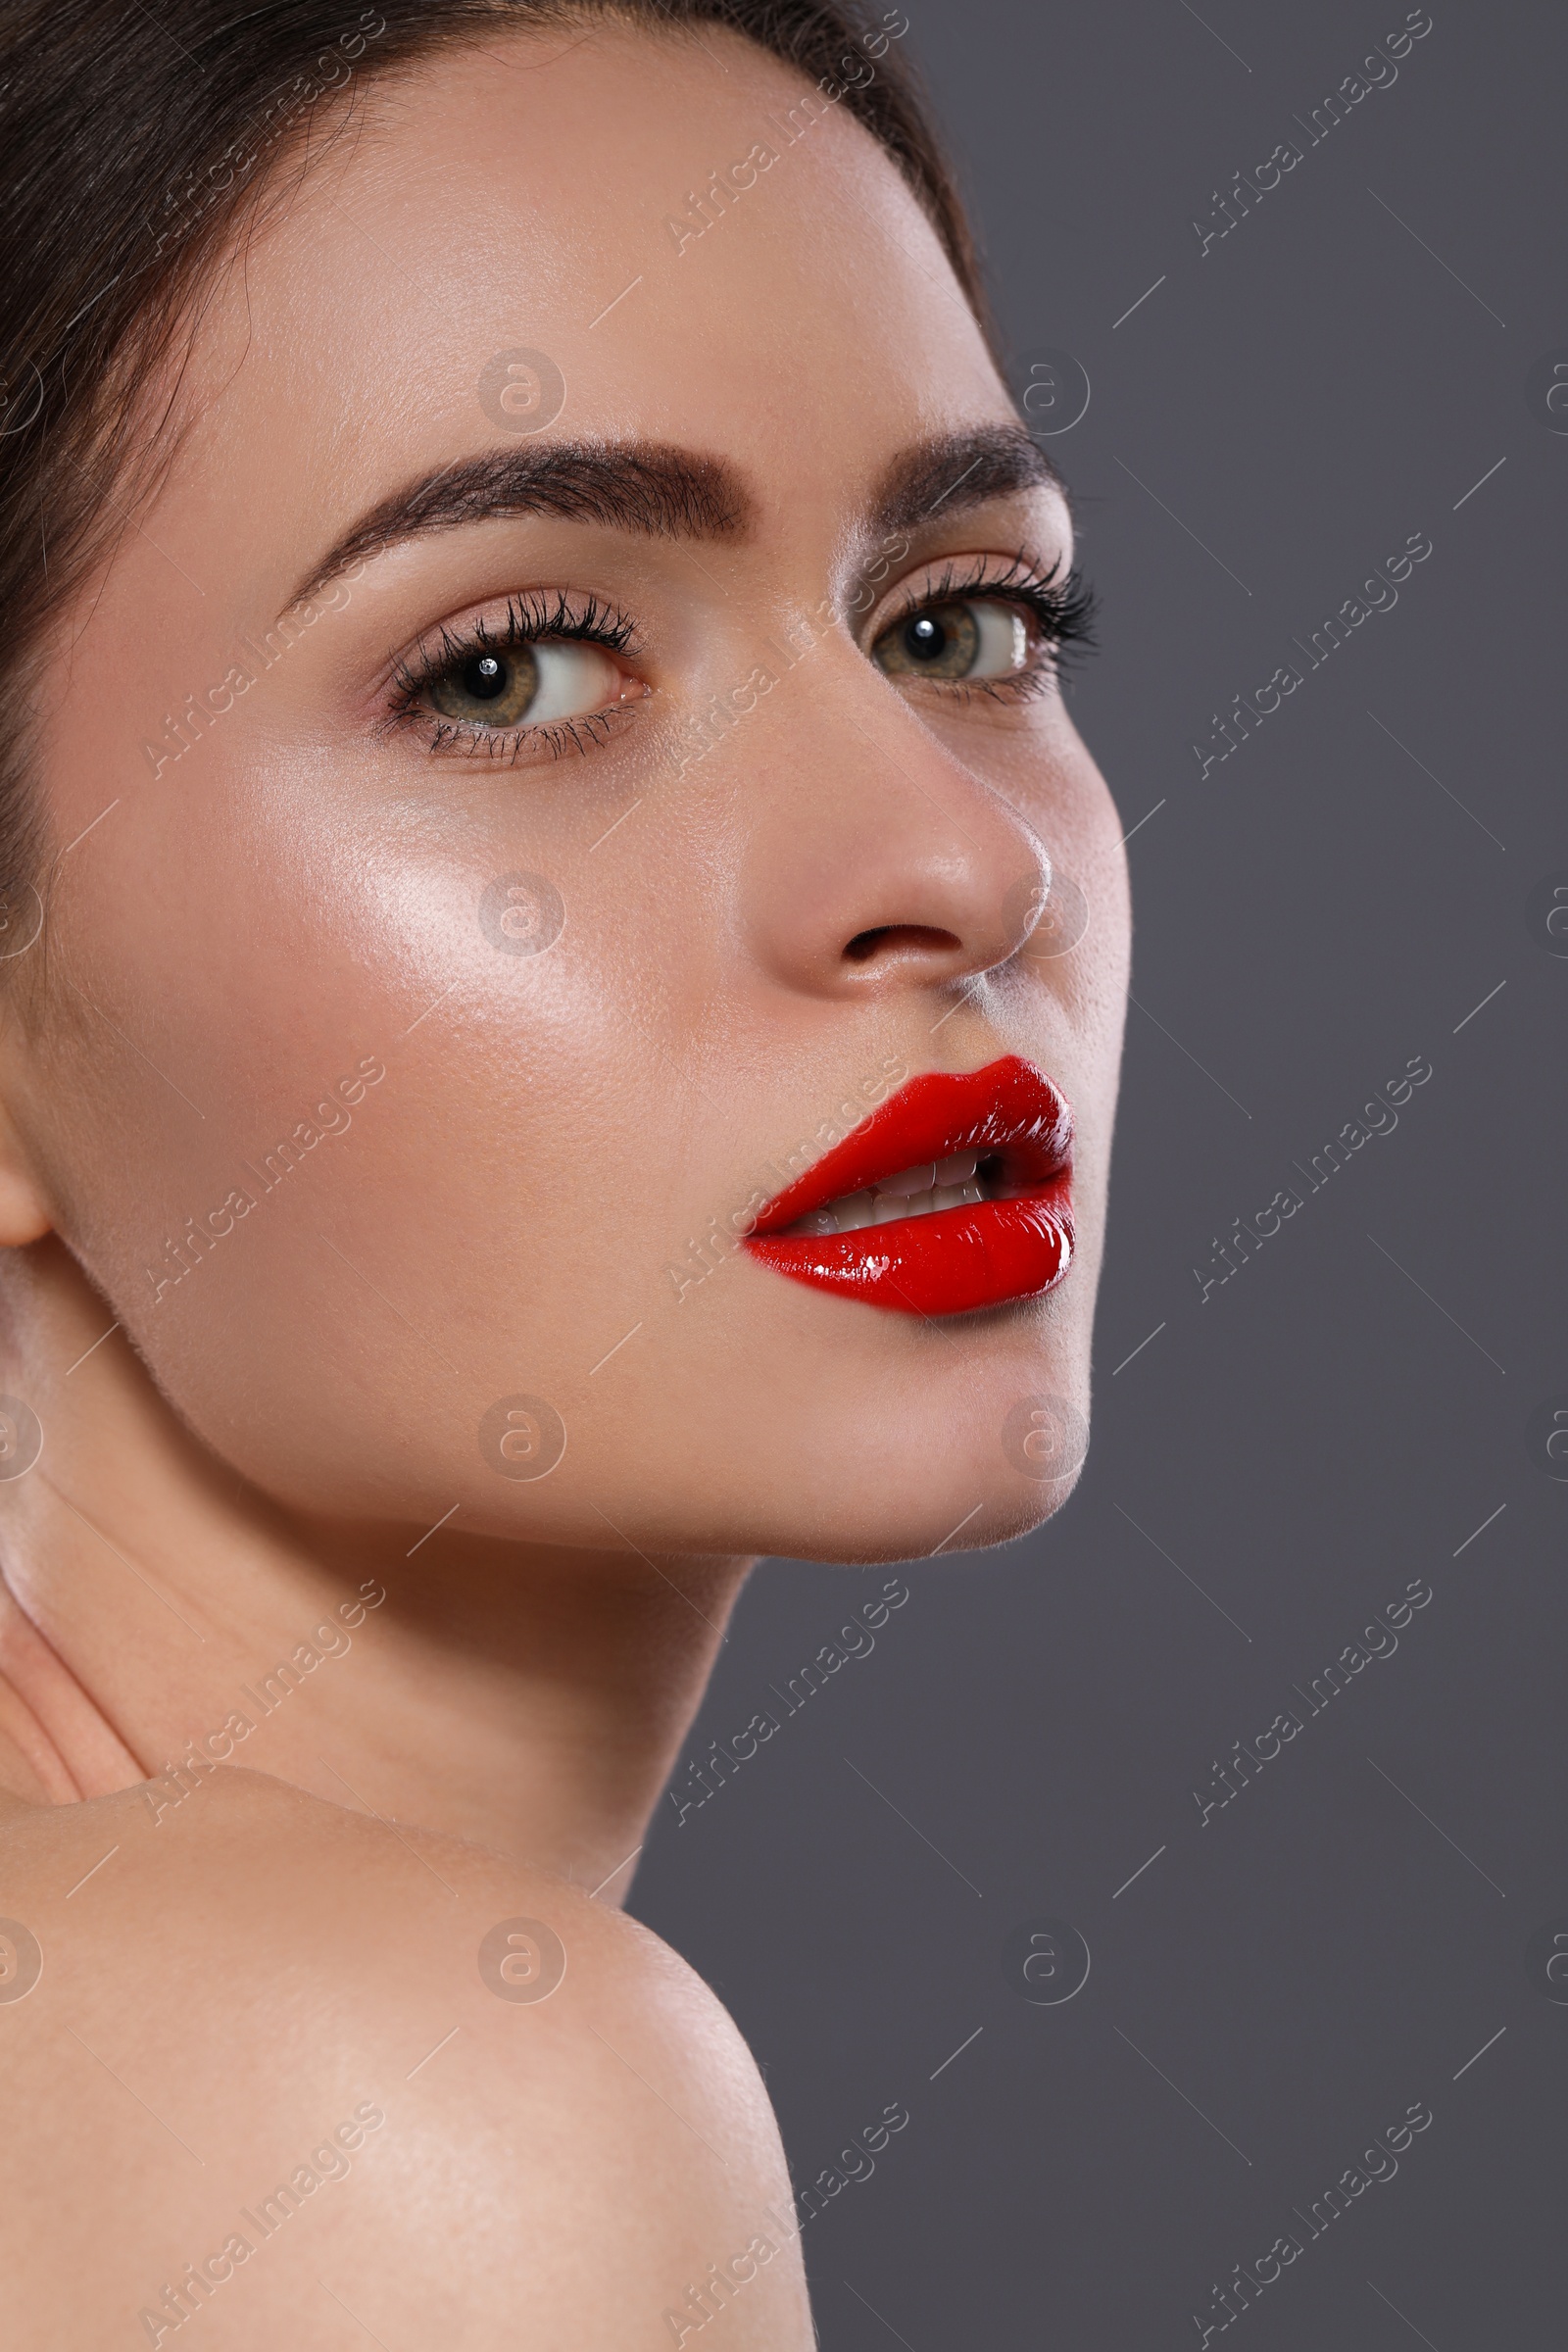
<point>651,236</point>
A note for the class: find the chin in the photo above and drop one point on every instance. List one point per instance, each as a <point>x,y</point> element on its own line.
<point>937,1458</point>
<point>917,1529</point>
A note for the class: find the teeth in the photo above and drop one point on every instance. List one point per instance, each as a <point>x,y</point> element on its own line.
<point>921,1191</point>
<point>910,1181</point>
<point>955,1195</point>
<point>853,1211</point>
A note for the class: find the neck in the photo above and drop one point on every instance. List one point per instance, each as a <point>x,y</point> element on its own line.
<point>156,1612</point>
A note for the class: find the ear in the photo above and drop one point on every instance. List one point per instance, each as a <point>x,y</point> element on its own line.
<point>24,1214</point>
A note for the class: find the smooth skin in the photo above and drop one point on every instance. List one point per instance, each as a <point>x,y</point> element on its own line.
<point>833,891</point>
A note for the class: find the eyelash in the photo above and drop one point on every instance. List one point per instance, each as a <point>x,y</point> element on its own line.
<point>1061,606</point>
<point>530,619</point>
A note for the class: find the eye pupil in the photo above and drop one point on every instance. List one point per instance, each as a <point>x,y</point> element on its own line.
<point>924,638</point>
<point>484,677</point>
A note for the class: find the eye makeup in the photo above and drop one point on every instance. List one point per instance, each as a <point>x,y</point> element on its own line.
<point>554,672</point>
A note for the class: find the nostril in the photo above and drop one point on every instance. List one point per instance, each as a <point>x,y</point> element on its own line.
<point>889,938</point>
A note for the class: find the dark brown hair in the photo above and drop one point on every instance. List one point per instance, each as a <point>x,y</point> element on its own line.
<point>134,146</point>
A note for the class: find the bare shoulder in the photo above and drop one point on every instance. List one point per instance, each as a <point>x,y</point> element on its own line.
<point>313,2078</point>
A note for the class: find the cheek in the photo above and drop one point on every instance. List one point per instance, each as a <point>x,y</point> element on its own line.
<point>1080,952</point>
<point>1049,777</point>
<point>499,1170</point>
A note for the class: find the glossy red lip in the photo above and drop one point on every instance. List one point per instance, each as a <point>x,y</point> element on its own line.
<point>946,1261</point>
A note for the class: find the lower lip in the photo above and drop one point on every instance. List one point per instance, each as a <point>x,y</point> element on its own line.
<point>949,1262</point>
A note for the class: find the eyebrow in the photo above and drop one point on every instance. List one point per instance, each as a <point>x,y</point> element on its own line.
<point>641,486</point>
<point>657,491</point>
<point>957,471</point>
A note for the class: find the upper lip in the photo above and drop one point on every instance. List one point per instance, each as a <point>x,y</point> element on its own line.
<point>1007,1107</point>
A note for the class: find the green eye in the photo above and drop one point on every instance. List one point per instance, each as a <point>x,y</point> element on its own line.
<point>978,639</point>
<point>495,688</point>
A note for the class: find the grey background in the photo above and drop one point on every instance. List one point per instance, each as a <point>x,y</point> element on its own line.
<point>1283,1981</point>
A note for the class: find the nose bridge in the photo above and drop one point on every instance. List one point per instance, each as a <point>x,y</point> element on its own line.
<point>873,848</point>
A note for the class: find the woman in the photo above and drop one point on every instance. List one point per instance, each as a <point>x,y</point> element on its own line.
<point>533,1073</point>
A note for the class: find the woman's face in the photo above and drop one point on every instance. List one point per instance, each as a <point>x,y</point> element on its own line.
<point>428,1013</point>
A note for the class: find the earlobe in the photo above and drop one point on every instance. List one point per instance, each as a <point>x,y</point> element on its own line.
<point>24,1214</point>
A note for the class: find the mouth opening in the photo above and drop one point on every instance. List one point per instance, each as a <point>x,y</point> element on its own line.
<point>963,1180</point>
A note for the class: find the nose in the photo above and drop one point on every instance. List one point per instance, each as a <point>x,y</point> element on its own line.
<point>876,860</point>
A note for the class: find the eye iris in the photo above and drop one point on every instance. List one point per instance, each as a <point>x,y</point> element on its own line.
<point>941,640</point>
<point>493,688</point>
